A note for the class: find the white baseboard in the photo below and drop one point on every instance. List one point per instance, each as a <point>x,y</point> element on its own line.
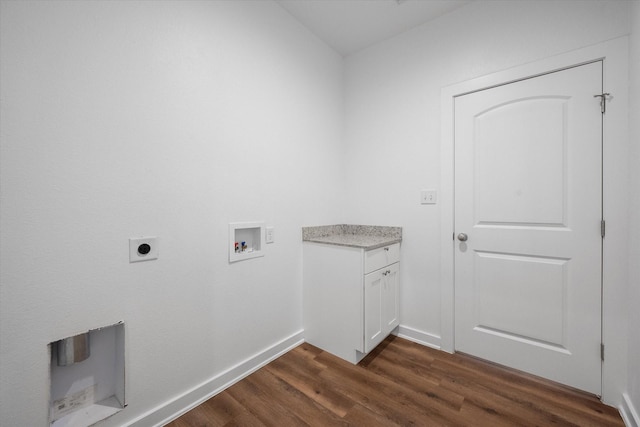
<point>420,337</point>
<point>628,412</point>
<point>172,409</point>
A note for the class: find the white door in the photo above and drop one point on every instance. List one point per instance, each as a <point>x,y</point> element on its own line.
<point>391,301</point>
<point>381,304</point>
<point>373,318</point>
<point>528,197</point>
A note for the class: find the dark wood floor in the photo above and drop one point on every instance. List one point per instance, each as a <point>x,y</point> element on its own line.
<point>399,384</point>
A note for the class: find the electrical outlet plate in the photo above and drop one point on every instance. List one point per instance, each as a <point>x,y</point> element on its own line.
<point>428,197</point>
<point>137,249</point>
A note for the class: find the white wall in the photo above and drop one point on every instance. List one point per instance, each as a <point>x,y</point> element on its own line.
<point>634,232</point>
<point>123,119</point>
<point>393,118</point>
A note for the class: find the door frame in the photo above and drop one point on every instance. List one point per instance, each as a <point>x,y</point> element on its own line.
<point>614,55</point>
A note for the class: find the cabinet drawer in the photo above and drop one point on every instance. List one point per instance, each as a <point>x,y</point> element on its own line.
<point>378,258</point>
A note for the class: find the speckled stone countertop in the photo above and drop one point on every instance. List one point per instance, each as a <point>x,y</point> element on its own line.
<point>356,236</point>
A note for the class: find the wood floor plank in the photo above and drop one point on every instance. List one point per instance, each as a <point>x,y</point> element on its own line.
<point>211,413</point>
<point>288,396</point>
<point>262,405</point>
<point>394,356</point>
<point>385,397</point>
<point>221,409</point>
<point>311,384</point>
<point>306,350</point>
<point>180,422</point>
<point>560,403</point>
<point>403,374</point>
<point>411,351</point>
<point>487,405</point>
<point>358,415</point>
<point>245,419</point>
<point>400,383</point>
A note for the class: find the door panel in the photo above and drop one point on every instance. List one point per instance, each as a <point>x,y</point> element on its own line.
<point>528,194</point>
<point>511,291</point>
<point>529,188</point>
<point>391,297</point>
<point>373,299</point>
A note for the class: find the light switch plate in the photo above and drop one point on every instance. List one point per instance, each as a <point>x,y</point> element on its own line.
<point>428,197</point>
<point>143,249</point>
<point>268,234</point>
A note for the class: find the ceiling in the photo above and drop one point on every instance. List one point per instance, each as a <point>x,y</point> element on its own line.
<point>351,25</point>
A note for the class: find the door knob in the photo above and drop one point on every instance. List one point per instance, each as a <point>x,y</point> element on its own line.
<point>462,237</point>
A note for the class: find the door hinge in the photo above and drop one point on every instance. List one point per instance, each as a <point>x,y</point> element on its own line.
<point>603,101</point>
<point>603,228</point>
<point>602,352</point>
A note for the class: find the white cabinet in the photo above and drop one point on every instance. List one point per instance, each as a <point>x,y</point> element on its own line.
<point>380,305</point>
<point>350,297</point>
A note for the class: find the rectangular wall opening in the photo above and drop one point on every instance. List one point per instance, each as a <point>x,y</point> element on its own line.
<point>87,377</point>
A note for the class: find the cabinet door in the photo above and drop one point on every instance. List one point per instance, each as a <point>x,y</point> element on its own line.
<point>373,297</point>
<point>390,297</point>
